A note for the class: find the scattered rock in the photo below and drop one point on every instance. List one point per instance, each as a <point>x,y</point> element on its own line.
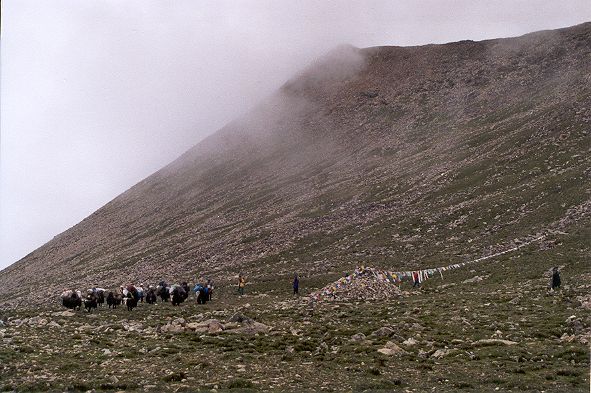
<point>425,354</point>
<point>240,318</point>
<point>441,353</point>
<point>36,321</point>
<point>409,342</point>
<point>210,326</point>
<point>238,323</point>
<point>358,337</point>
<point>133,327</point>
<point>475,279</point>
<point>568,339</point>
<point>391,349</point>
<point>170,328</point>
<point>179,321</point>
<point>67,313</point>
<point>322,348</point>
<point>585,302</point>
<point>252,328</point>
<point>383,332</point>
<point>493,341</point>
<point>16,322</point>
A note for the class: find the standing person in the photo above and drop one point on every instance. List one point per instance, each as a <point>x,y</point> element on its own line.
<point>415,278</point>
<point>209,289</point>
<point>555,284</point>
<point>241,284</point>
<point>296,284</point>
<point>141,292</point>
<point>199,293</point>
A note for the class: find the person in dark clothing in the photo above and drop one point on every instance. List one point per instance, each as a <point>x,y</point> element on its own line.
<point>209,287</point>
<point>296,284</point>
<point>555,279</point>
<point>416,281</point>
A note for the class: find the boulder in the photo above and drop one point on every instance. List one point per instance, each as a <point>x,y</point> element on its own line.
<point>132,327</point>
<point>209,326</point>
<point>358,337</point>
<point>170,328</point>
<point>240,318</point>
<point>179,321</point>
<point>239,323</point>
<point>198,327</point>
<point>391,349</point>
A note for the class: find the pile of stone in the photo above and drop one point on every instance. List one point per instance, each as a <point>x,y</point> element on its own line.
<point>365,283</point>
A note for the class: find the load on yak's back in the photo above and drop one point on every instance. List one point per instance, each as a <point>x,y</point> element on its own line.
<point>179,293</point>
<point>71,299</point>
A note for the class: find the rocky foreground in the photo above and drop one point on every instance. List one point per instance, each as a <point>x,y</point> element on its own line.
<point>489,327</point>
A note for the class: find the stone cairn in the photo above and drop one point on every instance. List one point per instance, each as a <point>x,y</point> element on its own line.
<point>365,283</point>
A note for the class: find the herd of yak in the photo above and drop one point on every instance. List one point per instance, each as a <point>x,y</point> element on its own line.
<point>130,296</point>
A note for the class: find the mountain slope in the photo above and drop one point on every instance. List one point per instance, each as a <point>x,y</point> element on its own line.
<point>400,157</point>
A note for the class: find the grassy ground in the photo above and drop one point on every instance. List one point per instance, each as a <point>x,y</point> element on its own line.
<point>310,346</point>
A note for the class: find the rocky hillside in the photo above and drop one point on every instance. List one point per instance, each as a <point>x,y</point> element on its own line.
<point>398,157</point>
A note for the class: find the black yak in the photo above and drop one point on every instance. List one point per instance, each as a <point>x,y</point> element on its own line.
<point>131,300</point>
<point>100,296</point>
<point>185,286</point>
<point>151,296</point>
<point>113,300</point>
<point>179,294</point>
<point>163,291</point>
<point>71,299</point>
<point>90,301</point>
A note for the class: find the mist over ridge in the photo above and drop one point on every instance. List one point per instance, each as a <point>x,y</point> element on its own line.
<point>97,96</point>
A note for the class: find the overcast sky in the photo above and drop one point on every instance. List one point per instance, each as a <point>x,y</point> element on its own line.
<point>97,95</point>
